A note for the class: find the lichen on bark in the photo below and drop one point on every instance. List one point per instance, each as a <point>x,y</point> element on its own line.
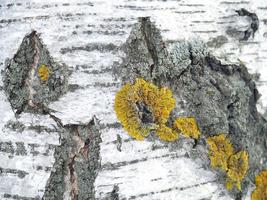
<point>221,97</point>
<point>142,107</point>
<point>32,77</point>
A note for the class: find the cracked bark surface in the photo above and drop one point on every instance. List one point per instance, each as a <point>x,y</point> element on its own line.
<point>77,158</point>
<point>222,97</point>
<point>150,60</point>
<point>77,163</point>
<point>24,88</point>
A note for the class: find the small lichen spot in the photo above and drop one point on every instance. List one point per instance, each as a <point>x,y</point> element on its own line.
<point>44,72</point>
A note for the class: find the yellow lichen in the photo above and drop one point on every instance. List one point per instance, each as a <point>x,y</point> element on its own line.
<point>156,104</point>
<point>261,178</point>
<point>126,112</point>
<point>220,151</point>
<point>237,167</point>
<point>260,193</point>
<point>160,101</point>
<point>229,184</point>
<point>222,156</point>
<point>43,72</point>
<point>187,126</point>
<point>166,133</point>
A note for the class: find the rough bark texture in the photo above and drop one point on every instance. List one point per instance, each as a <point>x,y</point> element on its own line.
<point>23,85</point>
<point>36,163</point>
<point>222,97</point>
<point>146,52</point>
<point>77,162</point>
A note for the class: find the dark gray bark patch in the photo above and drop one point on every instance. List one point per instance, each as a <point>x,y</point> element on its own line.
<point>22,83</point>
<point>77,162</point>
<point>146,54</point>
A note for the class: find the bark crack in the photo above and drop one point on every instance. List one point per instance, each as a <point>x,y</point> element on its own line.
<point>73,179</point>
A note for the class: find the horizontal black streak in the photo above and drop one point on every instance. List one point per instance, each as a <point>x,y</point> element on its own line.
<point>90,47</point>
<point>18,197</point>
<point>232,2</point>
<point>226,22</point>
<point>211,31</point>
<point>20,173</point>
<point>170,189</point>
<point>114,166</point>
<point>228,16</point>
<point>190,12</point>
<point>205,21</point>
<point>192,5</point>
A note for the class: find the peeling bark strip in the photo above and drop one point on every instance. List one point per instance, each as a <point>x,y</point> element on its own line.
<point>27,87</point>
<point>222,97</point>
<point>77,163</point>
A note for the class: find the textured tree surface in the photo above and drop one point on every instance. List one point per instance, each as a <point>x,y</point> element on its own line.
<point>32,79</point>
<point>74,147</point>
<point>221,97</point>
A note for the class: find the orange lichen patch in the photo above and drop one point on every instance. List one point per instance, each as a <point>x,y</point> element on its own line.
<point>187,126</point>
<point>260,193</point>
<point>141,107</point>
<point>44,72</point>
<point>238,167</point>
<point>166,133</point>
<point>220,151</point>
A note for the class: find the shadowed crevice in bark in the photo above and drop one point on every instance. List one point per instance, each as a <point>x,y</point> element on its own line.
<point>77,162</point>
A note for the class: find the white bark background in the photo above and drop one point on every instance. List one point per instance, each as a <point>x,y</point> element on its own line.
<point>78,33</point>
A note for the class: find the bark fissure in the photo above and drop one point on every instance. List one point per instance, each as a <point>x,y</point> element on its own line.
<point>73,179</point>
<point>80,149</point>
